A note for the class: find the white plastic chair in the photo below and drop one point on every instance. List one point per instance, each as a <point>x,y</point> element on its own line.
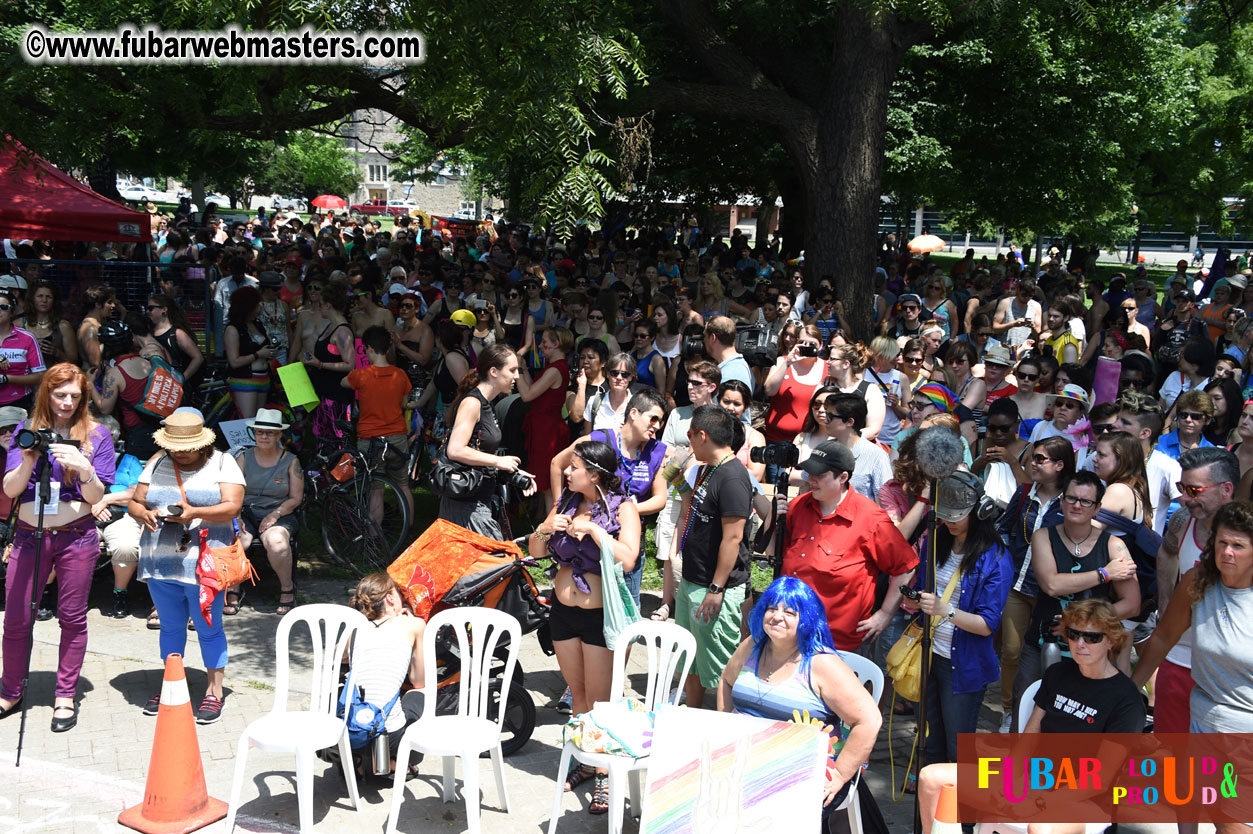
<point>670,650</point>
<point>305,732</point>
<point>1025,707</point>
<point>867,673</point>
<point>478,632</point>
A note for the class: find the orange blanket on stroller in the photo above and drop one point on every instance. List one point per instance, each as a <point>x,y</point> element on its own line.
<point>438,559</point>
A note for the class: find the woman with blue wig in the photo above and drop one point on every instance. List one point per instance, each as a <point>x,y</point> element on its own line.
<point>790,664</point>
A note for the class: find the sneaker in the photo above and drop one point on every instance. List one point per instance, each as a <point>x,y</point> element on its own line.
<point>210,710</point>
<point>121,604</point>
<point>154,705</point>
<point>1007,721</point>
<point>565,702</point>
<point>47,606</point>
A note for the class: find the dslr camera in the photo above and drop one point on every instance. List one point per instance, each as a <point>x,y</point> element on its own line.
<point>38,440</point>
<point>782,455</point>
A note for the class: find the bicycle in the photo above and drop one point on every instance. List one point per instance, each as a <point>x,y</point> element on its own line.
<point>347,485</point>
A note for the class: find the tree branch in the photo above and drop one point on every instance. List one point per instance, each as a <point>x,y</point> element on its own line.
<point>723,60</point>
<point>774,108</point>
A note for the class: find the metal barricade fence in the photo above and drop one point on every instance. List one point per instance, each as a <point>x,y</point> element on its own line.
<point>132,282</point>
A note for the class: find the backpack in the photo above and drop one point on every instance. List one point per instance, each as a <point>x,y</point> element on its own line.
<point>364,720</point>
<point>1142,542</point>
<point>162,392</point>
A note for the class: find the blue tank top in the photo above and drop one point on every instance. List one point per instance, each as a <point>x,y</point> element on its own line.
<point>750,695</point>
<point>643,369</point>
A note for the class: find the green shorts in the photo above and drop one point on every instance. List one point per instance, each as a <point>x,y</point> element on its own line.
<point>716,641</point>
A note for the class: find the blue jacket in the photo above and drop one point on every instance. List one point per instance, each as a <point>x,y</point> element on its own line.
<point>984,592</point>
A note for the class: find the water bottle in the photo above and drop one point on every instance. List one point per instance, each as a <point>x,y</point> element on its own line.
<point>382,755</point>
<point>1051,650</point>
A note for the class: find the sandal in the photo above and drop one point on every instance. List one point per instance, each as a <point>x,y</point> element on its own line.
<point>231,608</point>
<point>286,607</point>
<point>600,796</point>
<point>154,619</point>
<point>661,614</point>
<point>578,775</point>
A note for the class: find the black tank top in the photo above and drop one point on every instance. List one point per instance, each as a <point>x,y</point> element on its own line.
<point>179,359</point>
<point>1046,607</point>
<point>326,383</point>
<point>444,382</point>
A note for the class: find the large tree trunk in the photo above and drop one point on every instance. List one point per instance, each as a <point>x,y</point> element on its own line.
<point>839,156</point>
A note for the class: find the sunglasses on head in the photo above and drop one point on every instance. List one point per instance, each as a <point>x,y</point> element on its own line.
<point>1074,635</point>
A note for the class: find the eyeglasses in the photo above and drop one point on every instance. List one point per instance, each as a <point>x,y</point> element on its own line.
<point>1029,377</point>
<point>1194,416</point>
<point>152,307</point>
<point>1040,460</point>
<point>620,374</point>
<point>1103,428</point>
<point>1191,490</point>
<point>1076,501</point>
<point>1074,635</point>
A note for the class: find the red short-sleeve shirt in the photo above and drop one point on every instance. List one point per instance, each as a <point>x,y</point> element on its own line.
<point>841,555</point>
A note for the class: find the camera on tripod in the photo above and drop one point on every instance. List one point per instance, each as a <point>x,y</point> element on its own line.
<point>38,440</point>
<point>782,455</point>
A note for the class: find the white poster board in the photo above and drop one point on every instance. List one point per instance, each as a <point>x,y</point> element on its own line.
<point>718,773</point>
<point>235,432</point>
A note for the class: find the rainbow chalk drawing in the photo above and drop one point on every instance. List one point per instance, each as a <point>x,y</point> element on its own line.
<point>717,773</point>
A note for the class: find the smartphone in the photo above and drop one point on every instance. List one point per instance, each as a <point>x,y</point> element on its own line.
<point>807,350</point>
<point>910,593</point>
<point>480,304</point>
<point>627,312</point>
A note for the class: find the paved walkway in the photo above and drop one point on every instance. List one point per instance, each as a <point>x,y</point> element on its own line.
<point>79,781</point>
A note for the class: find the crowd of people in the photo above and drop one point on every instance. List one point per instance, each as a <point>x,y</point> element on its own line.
<point>626,383</point>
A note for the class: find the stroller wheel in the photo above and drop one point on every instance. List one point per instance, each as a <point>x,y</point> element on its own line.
<point>519,721</point>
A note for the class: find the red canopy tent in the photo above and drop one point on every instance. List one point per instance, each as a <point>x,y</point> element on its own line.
<point>40,202</point>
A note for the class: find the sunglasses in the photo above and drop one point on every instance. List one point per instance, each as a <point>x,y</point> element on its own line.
<point>513,295</point>
<point>406,306</point>
<point>643,335</point>
<point>620,374</point>
<point>1074,635</point>
<point>1040,460</point>
<point>1002,427</point>
<point>1102,428</point>
<point>1031,377</point>
<point>1076,501</point>
<point>1193,491</point>
<point>919,406</point>
<point>984,334</point>
<point>913,360</point>
<point>1194,416</point>
<point>595,318</point>
<point>910,307</point>
<point>314,288</point>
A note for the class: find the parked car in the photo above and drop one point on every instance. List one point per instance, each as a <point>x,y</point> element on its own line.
<point>374,208</point>
<point>221,200</point>
<point>137,193</point>
<point>288,204</point>
<point>405,206</point>
<point>465,214</point>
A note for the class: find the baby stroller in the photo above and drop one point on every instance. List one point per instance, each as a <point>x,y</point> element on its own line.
<point>451,567</point>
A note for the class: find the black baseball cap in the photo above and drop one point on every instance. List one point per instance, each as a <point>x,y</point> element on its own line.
<point>829,456</point>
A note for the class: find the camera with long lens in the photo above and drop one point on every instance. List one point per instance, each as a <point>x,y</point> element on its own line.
<point>782,455</point>
<point>691,347</point>
<point>38,440</point>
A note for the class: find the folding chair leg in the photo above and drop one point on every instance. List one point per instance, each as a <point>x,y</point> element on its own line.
<point>304,789</point>
<point>350,771</point>
<point>398,786</point>
<point>450,776</point>
<point>616,800</point>
<point>470,791</point>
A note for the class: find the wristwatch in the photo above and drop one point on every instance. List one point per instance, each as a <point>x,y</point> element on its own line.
<point>715,588</point>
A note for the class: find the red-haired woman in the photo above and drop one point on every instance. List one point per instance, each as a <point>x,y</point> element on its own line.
<point>79,477</point>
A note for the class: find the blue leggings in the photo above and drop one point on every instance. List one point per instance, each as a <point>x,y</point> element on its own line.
<point>178,601</point>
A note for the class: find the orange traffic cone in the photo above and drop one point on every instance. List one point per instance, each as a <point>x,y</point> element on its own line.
<point>175,798</point>
<point>946,812</point>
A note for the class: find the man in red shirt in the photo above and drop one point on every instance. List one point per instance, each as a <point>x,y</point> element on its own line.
<point>838,543</point>
<point>382,390</point>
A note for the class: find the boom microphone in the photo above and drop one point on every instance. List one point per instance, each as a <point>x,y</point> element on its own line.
<point>940,452</point>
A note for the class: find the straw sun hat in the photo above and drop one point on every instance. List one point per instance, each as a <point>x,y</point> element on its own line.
<point>183,432</point>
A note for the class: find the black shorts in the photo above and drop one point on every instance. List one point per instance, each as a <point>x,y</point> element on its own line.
<point>250,520</point>
<point>568,622</point>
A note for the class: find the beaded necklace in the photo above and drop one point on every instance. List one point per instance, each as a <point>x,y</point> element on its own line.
<point>698,496</point>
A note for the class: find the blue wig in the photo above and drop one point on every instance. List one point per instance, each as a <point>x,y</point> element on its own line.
<point>813,634</point>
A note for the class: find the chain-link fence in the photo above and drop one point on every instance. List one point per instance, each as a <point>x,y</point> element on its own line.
<point>132,282</point>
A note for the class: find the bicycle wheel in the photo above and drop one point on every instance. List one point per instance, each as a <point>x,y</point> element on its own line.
<point>351,536</point>
<point>395,517</point>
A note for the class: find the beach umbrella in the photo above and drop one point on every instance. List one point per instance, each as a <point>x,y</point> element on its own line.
<point>926,243</point>
<point>329,201</point>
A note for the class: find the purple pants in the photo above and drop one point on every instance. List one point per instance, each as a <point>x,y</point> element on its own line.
<point>73,552</point>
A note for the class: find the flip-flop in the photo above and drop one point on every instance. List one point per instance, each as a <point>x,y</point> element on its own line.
<point>662,613</point>
<point>154,620</point>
